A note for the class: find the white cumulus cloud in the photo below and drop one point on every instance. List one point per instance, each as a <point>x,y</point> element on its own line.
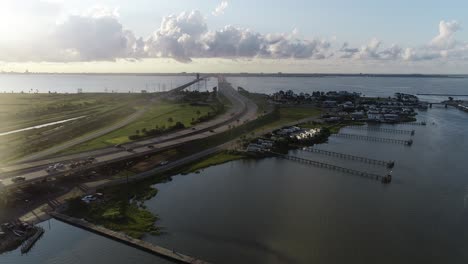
<point>219,10</point>
<point>98,35</point>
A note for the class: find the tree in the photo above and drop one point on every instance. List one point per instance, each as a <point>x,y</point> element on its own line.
<point>198,113</point>
<point>170,120</point>
<point>137,131</point>
<point>450,98</point>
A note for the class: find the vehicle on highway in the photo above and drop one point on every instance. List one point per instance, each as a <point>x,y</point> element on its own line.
<point>151,147</point>
<point>51,169</point>
<point>91,158</point>
<point>164,162</point>
<point>129,150</point>
<point>18,179</point>
<point>88,198</point>
<point>118,146</point>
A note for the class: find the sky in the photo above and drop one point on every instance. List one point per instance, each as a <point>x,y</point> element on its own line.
<point>302,36</point>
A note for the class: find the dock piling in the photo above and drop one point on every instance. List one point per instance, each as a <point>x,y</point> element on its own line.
<point>377,139</point>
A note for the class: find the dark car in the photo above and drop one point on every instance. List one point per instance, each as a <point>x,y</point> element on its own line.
<point>18,179</point>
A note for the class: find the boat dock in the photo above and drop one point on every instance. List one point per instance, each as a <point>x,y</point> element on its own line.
<point>383,179</point>
<point>386,130</point>
<point>388,164</point>
<point>377,139</point>
<point>28,244</point>
<point>413,123</point>
<point>133,242</point>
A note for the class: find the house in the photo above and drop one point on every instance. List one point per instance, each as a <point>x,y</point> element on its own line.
<point>357,115</point>
<point>329,104</point>
<point>374,116</point>
<point>391,117</point>
<point>252,147</point>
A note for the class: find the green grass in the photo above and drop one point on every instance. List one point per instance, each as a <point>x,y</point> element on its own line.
<point>261,100</point>
<point>157,115</point>
<point>24,110</point>
<point>217,159</point>
<point>288,115</point>
<point>117,213</point>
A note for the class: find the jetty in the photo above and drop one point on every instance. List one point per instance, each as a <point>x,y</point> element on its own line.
<point>381,129</point>
<point>377,139</point>
<point>388,164</point>
<point>29,243</point>
<point>133,242</point>
<point>384,179</point>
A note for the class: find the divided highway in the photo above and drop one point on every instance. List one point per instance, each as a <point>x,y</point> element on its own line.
<point>241,110</point>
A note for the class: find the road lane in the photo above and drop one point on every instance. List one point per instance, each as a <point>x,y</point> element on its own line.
<point>243,109</point>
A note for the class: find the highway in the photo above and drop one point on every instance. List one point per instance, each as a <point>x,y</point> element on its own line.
<point>241,110</point>
<point>79,140</point>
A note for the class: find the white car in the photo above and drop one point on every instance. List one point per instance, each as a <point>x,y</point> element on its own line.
<point>88,198</point>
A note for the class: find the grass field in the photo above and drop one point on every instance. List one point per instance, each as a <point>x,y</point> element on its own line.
<point>117,213</point>
<point>217,159</point>
<point>157,115</point>
<point>288,115</point>
<point>23,110</point>
<point>19,111</point>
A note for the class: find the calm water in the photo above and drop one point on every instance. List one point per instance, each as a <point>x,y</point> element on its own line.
<point>278,211</point>
<point>64,244</point>
<point>367,86</point>
<point>64,83</point>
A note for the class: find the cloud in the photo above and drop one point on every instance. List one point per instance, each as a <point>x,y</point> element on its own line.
<point>219,10</point>
<point>371,51</point>
<point>445,39</point>
<point>187,36</point>
<point>178,37</point>
<point>442,46</point>
<point>98,35</point>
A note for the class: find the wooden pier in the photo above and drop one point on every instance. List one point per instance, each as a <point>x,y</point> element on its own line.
<point>120,237</point>
<point>388,164</point>
<point>29,243</point>
<point>383,179</point>
<point>413,123</point>
<point>377,139</point>
<point>386,130</point>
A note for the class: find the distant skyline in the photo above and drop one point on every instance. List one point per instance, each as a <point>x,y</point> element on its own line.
<point>234,36</point>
